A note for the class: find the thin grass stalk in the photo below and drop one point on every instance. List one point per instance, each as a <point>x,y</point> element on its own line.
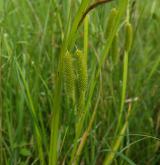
<point>153,70</point>
<point>1,114</point>
<point>110,157</point>
<point>53,151</point>
<point>86,26</point>
<point>88,129</point>
<point>128,42</point>
<point>124,86</point>
<point>34,117</point>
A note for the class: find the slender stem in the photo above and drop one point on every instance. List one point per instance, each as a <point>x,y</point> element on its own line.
<point>1,147</point>
<point>86,22</point>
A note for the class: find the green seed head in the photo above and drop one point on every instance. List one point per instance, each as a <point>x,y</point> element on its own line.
<point>115,49</point>
<point>111,21</point>
<point>69,75</point>
<point>128,36</point>
<point>81,71</point>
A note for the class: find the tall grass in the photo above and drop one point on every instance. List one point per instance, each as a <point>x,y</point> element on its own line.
<point>79,82</point>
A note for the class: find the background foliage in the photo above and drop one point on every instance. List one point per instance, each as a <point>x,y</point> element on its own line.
<point>36,108</point>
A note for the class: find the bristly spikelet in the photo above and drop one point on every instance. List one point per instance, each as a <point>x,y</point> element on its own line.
<point>69,75</point>
<point>81,71</point>
<point>128,36</point>
<point>111,22</point>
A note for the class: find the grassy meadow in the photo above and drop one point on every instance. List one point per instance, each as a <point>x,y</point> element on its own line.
<point>79,82</point>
